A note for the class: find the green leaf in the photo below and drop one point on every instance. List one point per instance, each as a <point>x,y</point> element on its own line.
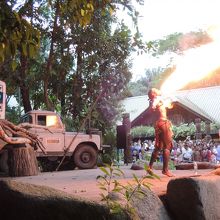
<point>102,178</point>
<point>142,192</point>
<point>120,171</point>
<point>99,177</point>
<point>89,5</point>
<point>129,184</point>
<point>103,188</point>
<point>32,52</point>
<point>24,49</point>
<point>149,177</point>
<point>103,197</point>
<point>135,178</point>
<point>145,167</point>
<point>116,174</point>
<point>111,11</point>
<point>117,190</point>
<point>104,171</point>
<point>116,210</point>
<point>101,184</point>
<point>82,12</point>
<point>147,185</point>
<point>13,65</point>
<point>116,183</point>
<point>156,176</point>
<point>2,57</point>
<point>127,194</point>
<point>17,17</point>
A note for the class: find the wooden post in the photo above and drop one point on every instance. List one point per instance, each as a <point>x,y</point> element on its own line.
<point>127,152</point>
<point>198,134</point>
<point>22,161</point>
<point>207,128</point>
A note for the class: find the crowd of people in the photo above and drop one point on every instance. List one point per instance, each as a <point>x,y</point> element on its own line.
<point>183,151</point>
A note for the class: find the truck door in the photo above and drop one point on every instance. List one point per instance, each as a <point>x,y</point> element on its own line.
<point>53,136</point>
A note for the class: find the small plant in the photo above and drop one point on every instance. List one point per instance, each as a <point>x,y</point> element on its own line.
<point>112,188</point>
<point>171,165</point>
<point>108,185</point>
<point>147,156</point>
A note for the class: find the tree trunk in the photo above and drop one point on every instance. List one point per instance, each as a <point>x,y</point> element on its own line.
<point>25,93</point>
<point>47,73</point>
<point>22,161</point>
<point>25,97</point>
<point>77,86</point>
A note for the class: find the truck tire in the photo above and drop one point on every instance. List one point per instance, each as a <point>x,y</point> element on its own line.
<point>85,157</point>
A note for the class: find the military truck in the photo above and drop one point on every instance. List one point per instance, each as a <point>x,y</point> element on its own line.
<point>81,149</point>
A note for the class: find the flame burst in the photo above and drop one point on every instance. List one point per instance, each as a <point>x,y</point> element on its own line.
<point>195,64</point>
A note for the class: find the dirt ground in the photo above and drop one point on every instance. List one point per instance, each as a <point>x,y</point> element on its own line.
<point>83,183</point>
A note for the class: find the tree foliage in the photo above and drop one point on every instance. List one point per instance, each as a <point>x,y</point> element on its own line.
<point>175,44</point>
<point>172,44</point>
<point>152,78</point>
<point>17,35</point>
<point>179,42</point>
<point>80,58</point>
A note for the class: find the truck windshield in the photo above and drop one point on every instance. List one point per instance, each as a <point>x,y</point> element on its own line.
<point>52,121</point>
<point>49,121</point>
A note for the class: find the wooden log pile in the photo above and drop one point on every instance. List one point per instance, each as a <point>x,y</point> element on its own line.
<point>201,165</point>
<point>21,146</point>
<point>13,134</point>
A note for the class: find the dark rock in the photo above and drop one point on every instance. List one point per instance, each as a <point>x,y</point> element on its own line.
<point>139,165</point>
<point>31,202</point>
<point>136,167</point>
<point>149,206</point>
<point>194,198</point>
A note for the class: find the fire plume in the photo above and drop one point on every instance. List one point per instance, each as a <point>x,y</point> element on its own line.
<point>195,64</point>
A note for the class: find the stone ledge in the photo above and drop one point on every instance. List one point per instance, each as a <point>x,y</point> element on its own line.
<point>28,201</point>
<point>194,198</point>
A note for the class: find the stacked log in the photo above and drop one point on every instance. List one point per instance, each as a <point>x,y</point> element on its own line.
<point>22,161</point>
<point>201,165</point>
<point>21,146</point>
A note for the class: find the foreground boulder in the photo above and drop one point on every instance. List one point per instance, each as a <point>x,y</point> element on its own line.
<point>194,198</point>
<point>144,206</point>
<point>31,202</point>
<point>149,206</point>
<point>28,201</point>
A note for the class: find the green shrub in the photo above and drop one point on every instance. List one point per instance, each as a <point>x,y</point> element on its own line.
<point>180,131</point>
<point>142,131</point>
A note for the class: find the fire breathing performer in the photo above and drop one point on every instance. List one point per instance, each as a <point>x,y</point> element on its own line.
<point>163,131</point>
